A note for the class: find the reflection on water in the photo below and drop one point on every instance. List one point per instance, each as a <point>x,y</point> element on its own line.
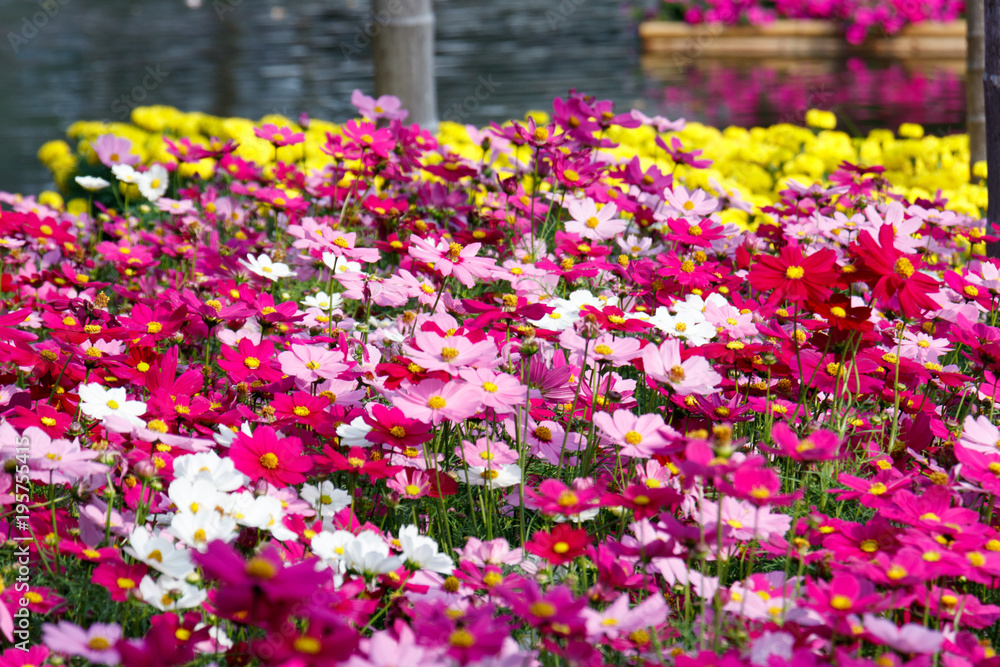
<point>95,59</point>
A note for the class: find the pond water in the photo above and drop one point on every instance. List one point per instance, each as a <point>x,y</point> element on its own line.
<point>95,59</point>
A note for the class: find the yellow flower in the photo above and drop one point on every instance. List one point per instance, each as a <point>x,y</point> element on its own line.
<point>911,130</point>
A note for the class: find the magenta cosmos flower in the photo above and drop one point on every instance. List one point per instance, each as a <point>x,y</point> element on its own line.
<point>264,456</point>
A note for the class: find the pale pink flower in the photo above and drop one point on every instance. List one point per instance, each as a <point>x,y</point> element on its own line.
<point>486,452</point>
<point>696,203</point>
<point>637,436</point>
<point>95,644</point>
<point>310,363</point>
<point>493,552</point>
<point>501,391</point>
<point>453,259</point>
<point>438,353</point>
<point>980,435</point>
<point>590,223</point>
<point>434,401</point>
<point>112,150</point>
<point>693,375</point>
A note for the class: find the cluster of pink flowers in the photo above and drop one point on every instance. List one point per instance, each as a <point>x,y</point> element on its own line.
<point>544,407</point>
<point>862,18</point>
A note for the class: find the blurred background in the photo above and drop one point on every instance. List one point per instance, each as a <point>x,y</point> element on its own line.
<point>97,59</point>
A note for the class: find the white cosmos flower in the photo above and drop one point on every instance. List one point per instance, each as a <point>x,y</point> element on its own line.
<point>159,553</point>
<point>170,594</point>
<point>325,497</point>
<point>220,471</point>
<point>197,530</point>
<point>369,554</point>
<point>331,546</point>
<point>354,434</point>
<point>99,402</point>
<point>422,552</point>
<point>92,183</point>
<point>265,268</point>
<point>195,496</point>
<point>497,477</point>
<point>153,184</point>
<point>125,173</point>
<point>688,324</point>
<point>323,301</point>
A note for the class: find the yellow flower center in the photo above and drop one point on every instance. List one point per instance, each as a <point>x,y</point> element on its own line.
<point>903,267</point>
<point>269,461</point>
<point>546,609</point>
<point>436,403</point>
<point>633,437</point>
<point>795,272</point>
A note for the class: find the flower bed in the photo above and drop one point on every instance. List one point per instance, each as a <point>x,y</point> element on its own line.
<point>554,392</point>
<point>854,20</point>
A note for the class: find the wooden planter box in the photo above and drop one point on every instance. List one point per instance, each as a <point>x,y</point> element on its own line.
<point>801,39</point>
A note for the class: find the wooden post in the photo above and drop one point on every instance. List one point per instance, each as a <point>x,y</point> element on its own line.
<point>403,51</point>
<point>975,61</point>
<point>991,90</point>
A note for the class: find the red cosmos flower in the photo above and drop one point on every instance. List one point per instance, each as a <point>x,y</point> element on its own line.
<point>890,272</point>
<point>561,545</point>
<point>53,422</point>
<point>795,276</point>
<point>356,462</point>
<point>300,408</point>
<point>151,325</point>
<point>391,427</point>
<point>365,137</point>
<point>249,360</point>
<point>119,578</point>
<point>263,456</point>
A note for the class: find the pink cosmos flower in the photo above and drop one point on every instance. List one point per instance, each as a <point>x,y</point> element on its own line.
<point>439,353</point>
<point>112,150</point>
<point>433,401</point>
<point>696,203</point>
<point>637,436</point>
<point>279,136</point>
<point>819,445</point>
<point>693,375</point>
<point>908,638</point>
<point>386,106</point>
<point>980,435</point>
<point>606,347</point>
<point>501,391</point>
<point>96,643</point>
<point>453,259</point>
<point>311,363</point>
<point>493,552</point>
<point>590,223</point>
<point>486,452</point>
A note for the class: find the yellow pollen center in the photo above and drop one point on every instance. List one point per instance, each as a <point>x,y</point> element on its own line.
<point>269,461</point>
<point>794,272</point>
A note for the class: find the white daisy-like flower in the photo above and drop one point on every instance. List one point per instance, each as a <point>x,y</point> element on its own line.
<point>354,434</point>
<point>369,554</point>
<point>170,593</point>
<point>197,530</point>
<point>125,173</point>
<point>153,184</point>
<point>325,497</point>
<point>159,553</point>
<point>264,267</point>
<point>323,301</point>
<point>99,402</point>
<point>497,477</point>
<point>421,552</point>
<point>220,471</point>
<point>92,183</point>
